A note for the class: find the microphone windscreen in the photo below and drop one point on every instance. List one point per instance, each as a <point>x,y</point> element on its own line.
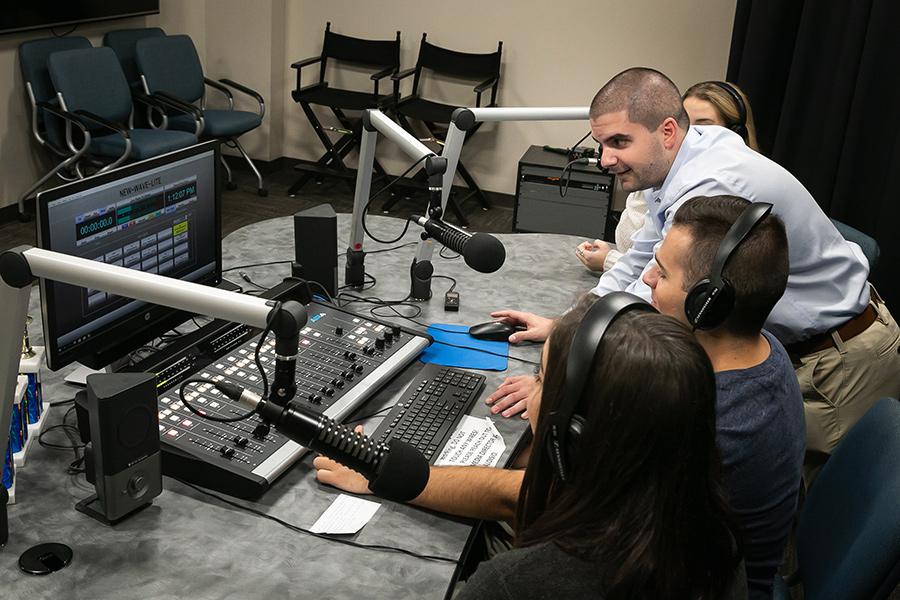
<point>484,253</point>
<point>403,475</point>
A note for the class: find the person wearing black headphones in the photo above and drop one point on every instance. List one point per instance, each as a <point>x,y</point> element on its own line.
<point>720,269</point>
<point>724,289</point>
<point>621,497</point>
<point>840,334</point>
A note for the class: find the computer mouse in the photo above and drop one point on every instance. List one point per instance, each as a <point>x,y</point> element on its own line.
<point>495,331</point>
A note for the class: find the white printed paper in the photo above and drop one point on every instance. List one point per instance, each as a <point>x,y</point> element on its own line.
<point>475,442</point>
<point>346,515</point>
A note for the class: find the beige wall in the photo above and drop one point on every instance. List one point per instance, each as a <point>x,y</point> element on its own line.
<point>553,55</point>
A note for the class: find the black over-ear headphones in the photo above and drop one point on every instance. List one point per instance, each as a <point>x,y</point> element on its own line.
<point>566,426</point>
<point>740,127</point>
<point>711,300</point>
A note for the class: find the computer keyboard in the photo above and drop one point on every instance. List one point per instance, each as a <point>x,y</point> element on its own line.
<point>430,408</point>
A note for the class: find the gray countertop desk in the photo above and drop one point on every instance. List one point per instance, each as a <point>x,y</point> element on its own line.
<point>189,545</point>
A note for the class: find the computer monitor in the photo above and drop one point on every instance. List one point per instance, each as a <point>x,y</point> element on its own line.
<point>161,215</point>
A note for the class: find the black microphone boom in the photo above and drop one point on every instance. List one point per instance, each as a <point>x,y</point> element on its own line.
<point>395,472</point>
<point>481,251</point>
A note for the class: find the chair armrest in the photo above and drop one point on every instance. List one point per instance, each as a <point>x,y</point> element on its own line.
<point>306,61</point>
<point>218,86</point>
<point>89,116</point>
<point>83,114</point>
<point>485,85</point>
<point>178,104</point>
<point>488,84</point>
<point>252,93</point>
<point>383,73</point>
<point>70,120</point>
<point>166,101</point>
<point>403,74</point>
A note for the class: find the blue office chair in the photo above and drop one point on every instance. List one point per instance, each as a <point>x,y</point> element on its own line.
<point>170,67</point>
<point>90,84</point>
<point>867,243</point>
<point>848,537</point>
<point>48,120</point>
<point>123,42</point>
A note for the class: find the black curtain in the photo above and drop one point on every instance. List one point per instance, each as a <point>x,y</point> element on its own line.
<point>823,78</point>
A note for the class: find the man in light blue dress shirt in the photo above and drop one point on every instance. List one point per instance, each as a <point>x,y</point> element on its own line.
<point>842,338</point>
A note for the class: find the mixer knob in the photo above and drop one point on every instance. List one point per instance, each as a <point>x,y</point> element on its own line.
<point>358,368</point>
<point>338,330</point>
<point>329,392</point>
<point>379,343</point>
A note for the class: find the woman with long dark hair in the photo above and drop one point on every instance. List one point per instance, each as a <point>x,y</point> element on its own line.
<point>640,514</point>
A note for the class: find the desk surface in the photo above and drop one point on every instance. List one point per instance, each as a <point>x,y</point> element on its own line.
<point>190,545</point>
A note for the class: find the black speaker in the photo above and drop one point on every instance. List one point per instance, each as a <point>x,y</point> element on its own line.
<point>122,458</point>
<point>315,246</point>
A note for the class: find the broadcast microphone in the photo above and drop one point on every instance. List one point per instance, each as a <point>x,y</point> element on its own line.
<point>396,472</point>
<point>482,252</point>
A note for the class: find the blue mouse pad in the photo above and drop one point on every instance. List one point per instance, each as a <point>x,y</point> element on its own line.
<point>465,352</point>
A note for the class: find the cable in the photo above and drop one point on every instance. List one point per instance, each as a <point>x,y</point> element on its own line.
<point>321,536</point>
<point>452,287</point>
<point>246,278</point>
<point>442,255</point>
<point>369,416</point>
<point>262,374</point>
<point>262,264</point>
<point>566,175</point>
<point>340,254</point>
<point>378,193</point>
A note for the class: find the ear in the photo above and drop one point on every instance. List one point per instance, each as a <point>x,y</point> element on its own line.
<point>669,129</point>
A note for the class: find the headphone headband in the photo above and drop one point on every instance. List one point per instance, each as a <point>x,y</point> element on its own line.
<point>582,352</point>
<point>741,126</point>
<point>705,292</point>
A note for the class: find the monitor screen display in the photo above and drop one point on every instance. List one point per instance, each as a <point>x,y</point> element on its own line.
<point>159,216</point>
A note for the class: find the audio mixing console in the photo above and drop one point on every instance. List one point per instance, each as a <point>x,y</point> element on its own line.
<point>343,359</point>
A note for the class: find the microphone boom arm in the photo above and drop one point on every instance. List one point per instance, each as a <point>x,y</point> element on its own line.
<point>21,265</point>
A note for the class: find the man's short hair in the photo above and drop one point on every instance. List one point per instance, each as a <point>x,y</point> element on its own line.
<point>647,95</point>
<point>758,268</point>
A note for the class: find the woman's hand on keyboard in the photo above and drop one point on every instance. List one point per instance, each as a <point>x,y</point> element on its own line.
<point>512,395</point>
<point>334,473</point>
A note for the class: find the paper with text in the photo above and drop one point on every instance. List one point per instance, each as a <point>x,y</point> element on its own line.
<point>475,442</point>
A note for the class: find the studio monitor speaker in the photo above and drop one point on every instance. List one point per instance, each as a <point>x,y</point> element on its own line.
<point>122,458</point>
<point>315,246</point>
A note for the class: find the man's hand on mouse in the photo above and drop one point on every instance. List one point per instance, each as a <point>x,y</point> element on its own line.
<point>512,396</point>
<point>537,328</point>
<point>592,254</point>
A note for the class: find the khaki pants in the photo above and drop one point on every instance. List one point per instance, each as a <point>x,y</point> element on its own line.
<point>840,384</point>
